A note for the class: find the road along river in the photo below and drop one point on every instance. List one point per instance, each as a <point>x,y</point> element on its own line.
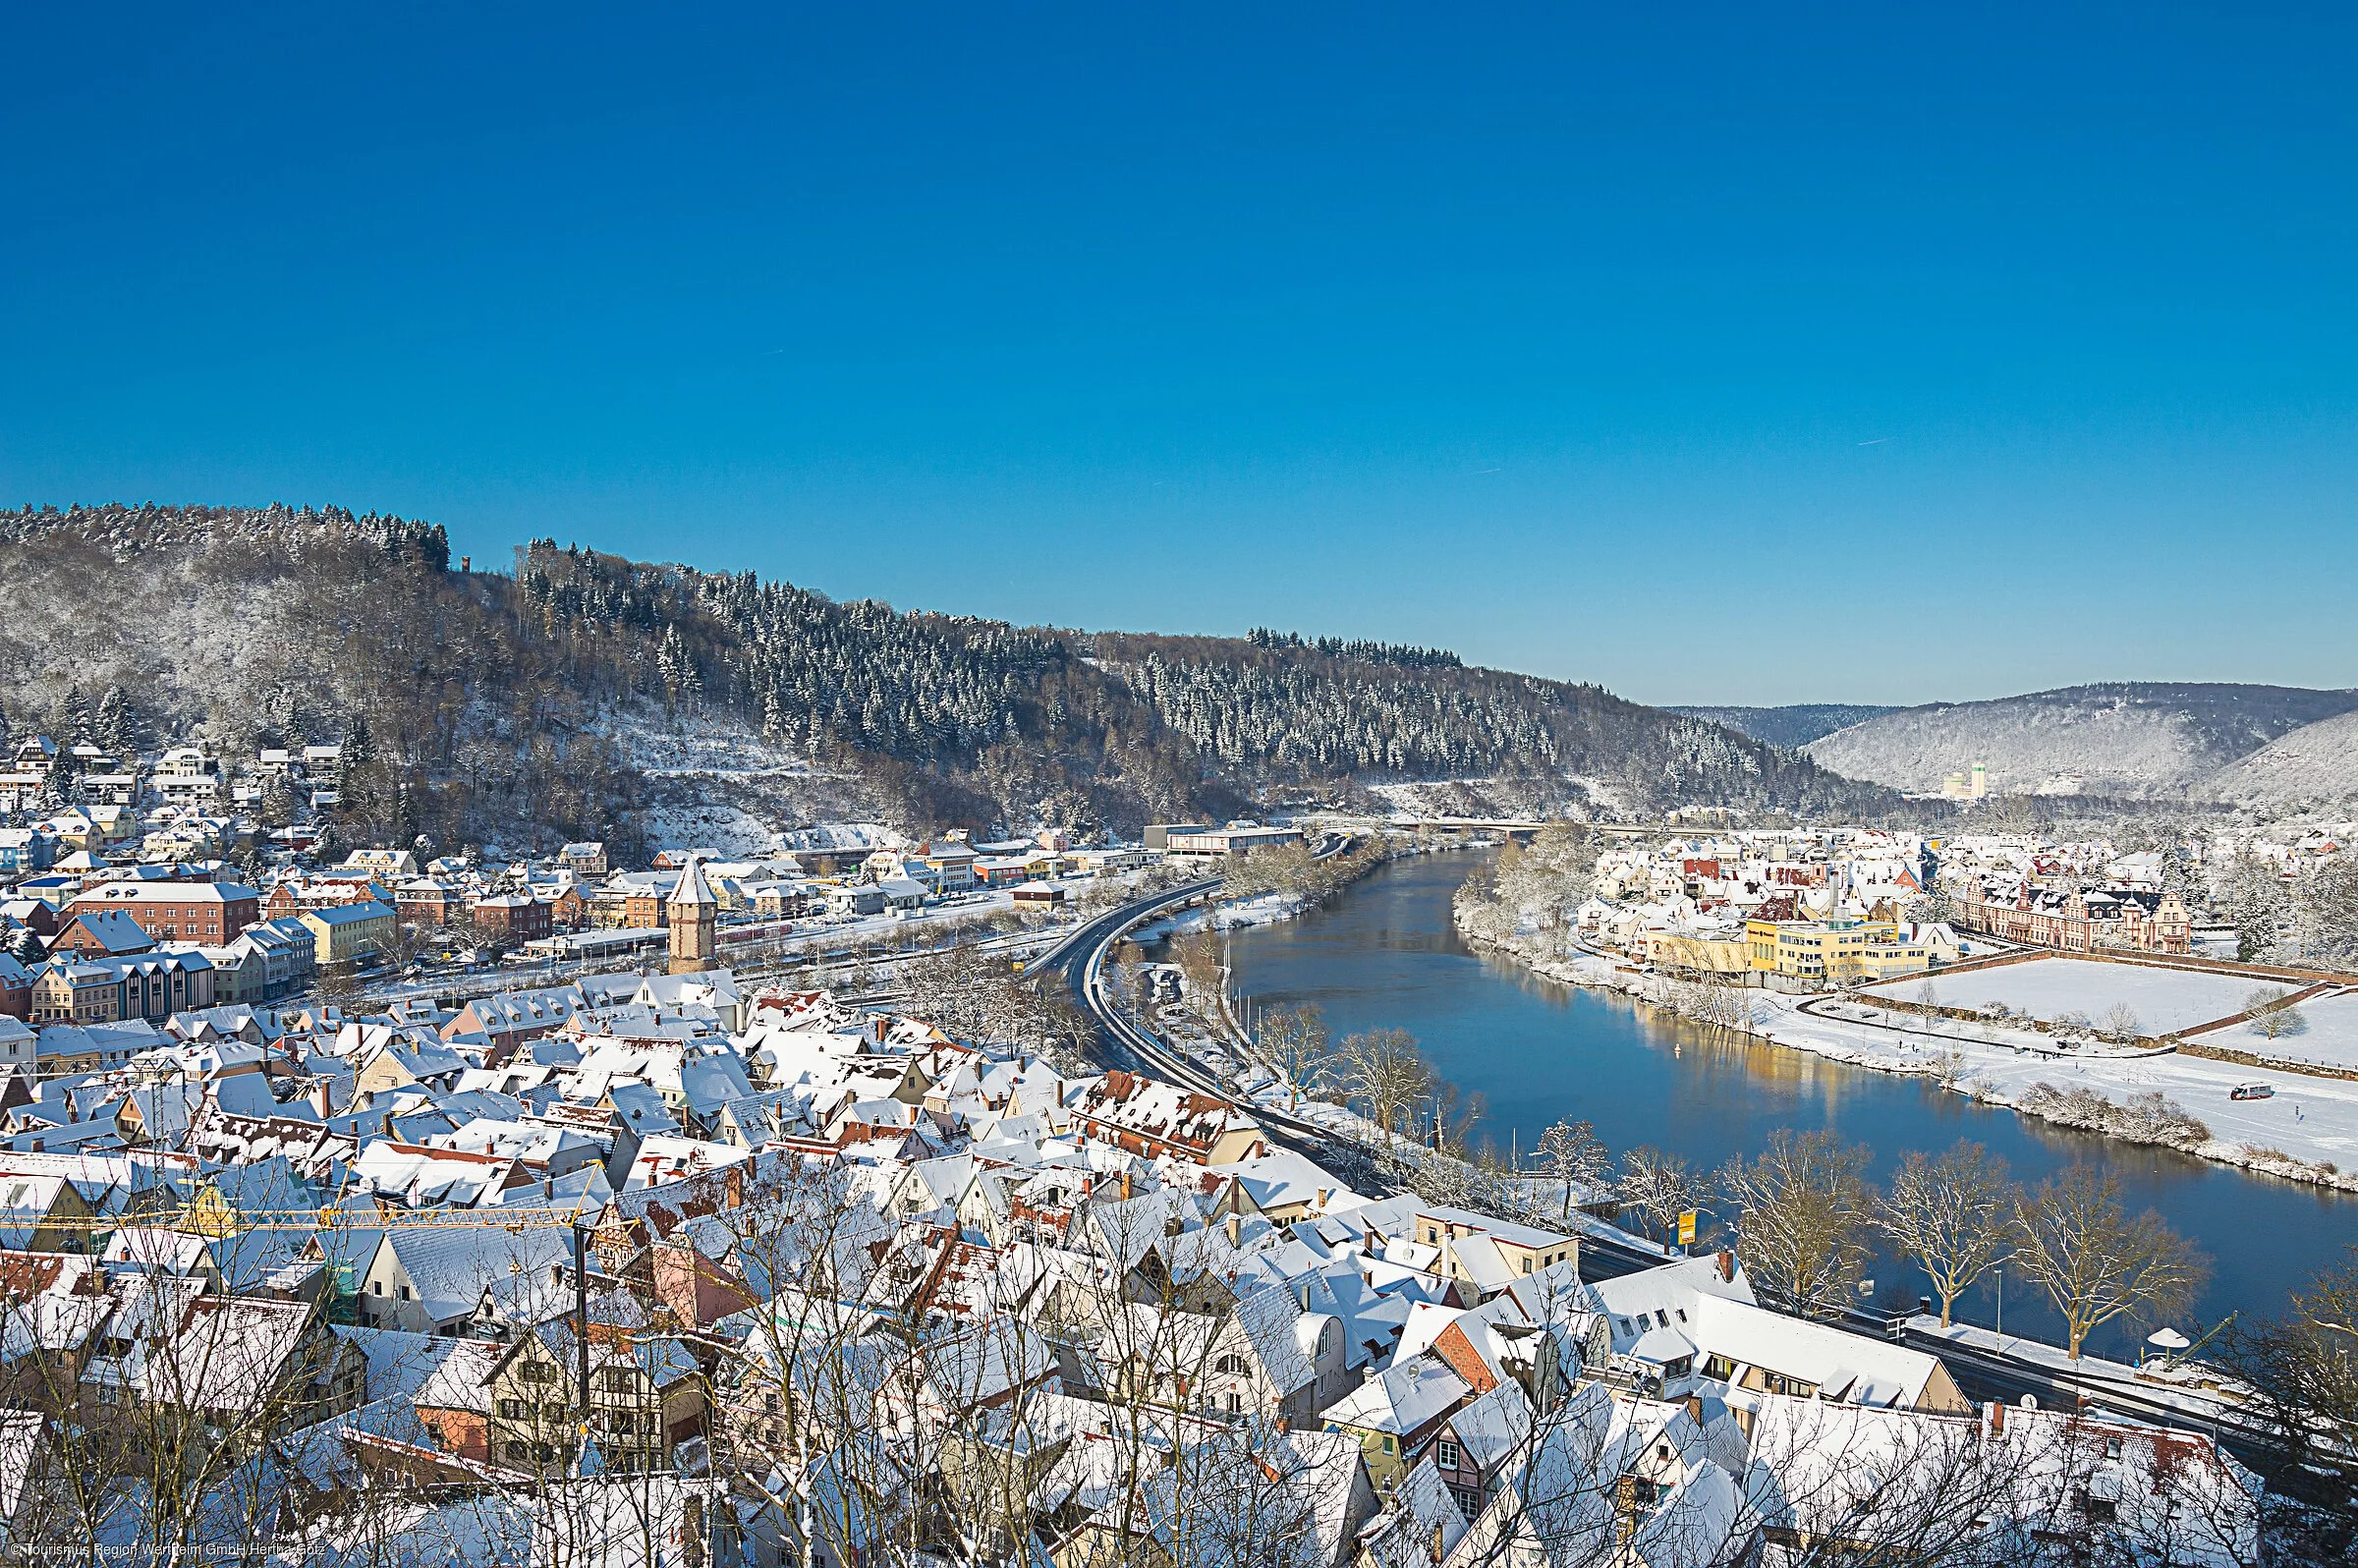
<point>1385,954</point>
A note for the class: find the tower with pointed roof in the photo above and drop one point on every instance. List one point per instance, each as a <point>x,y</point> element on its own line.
<point>693,912</point>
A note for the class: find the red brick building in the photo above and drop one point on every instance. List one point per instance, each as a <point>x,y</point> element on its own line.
<point>512,916</point>
<point>426,904</point>
<point>101,931</point>
<point>329,891</point>
<point>212,912</point>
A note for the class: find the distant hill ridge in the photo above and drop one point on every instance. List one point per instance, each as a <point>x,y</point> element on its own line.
<point>2141,739</point>
<point>1793,725</point>
<point>530,704</point>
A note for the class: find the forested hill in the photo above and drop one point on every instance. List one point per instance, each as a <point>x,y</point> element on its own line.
<point>1794,725</point>
<point>523,702</point>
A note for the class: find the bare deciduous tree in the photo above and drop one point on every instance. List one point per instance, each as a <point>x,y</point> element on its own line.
<point>1386,1069</point>
<point>1576,1156</point>
<point>2272,1014</point>
<point>1953,1213</point>
<point>1294,1041</point>
<point>1805,1212</point>
<point>1202,972</point>
<point>1657,1186</point>
<point>2078,1242</point>
<point>2304,1371</point>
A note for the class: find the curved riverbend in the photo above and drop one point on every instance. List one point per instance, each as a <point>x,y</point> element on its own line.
<point>1385,953</point>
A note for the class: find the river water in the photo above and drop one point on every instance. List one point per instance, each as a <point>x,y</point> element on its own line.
<point>1387,954</point>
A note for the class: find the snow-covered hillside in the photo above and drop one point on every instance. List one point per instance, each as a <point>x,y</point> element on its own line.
<point>2136,739</point>
<point>2315,765</point>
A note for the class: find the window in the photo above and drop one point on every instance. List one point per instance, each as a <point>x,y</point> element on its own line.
<point>1387,1445</point>
<point>512,1410</point>
<point>1445,1454</point>
<point>520,1450</point>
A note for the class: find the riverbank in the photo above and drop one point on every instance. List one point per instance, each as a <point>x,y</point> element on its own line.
<point>2307,1132</point>
<point>1271,908</point>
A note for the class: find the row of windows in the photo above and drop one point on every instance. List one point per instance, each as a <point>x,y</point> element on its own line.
<point>525,1410</point>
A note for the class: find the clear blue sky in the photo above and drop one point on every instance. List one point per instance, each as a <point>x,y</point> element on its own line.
<point>1719,353</point>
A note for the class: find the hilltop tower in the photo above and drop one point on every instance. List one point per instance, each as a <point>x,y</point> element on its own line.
<point>693,912</point>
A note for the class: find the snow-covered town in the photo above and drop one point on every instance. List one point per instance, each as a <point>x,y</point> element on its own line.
<point>846,1281</point>
<point>304,1176</point>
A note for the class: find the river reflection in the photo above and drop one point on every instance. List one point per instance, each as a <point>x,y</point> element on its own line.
<point>1538,1052</point>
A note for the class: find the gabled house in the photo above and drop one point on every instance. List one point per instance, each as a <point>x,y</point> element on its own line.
<point>1158,1120</point>
<point>432,1279</point>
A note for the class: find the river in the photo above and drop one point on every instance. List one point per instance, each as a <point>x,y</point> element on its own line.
<point>1387,954</point>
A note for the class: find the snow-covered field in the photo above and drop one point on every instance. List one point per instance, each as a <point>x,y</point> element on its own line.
<point>2165,1000</point>
<point>2315,1119</point>
<point>2328,1036</point>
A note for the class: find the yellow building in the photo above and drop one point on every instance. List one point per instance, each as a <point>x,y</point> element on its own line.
<point>1685,951</point>
<point>345,933</point>
<point>1832,952</point>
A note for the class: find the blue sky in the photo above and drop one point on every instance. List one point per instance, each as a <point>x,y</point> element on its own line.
<point>1718,353</point>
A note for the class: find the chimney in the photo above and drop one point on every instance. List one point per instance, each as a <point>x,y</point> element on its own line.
<point>1727,1267</point>
<point>1997,1417</point>
<point>1125,1187</point>
<point>1694,1409</point>
<point>1438,1546</point>
<point>1324,1192</point>
<point>1236,1228</point>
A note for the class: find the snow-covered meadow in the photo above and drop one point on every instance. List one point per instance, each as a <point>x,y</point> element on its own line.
<point>2163,1000</point>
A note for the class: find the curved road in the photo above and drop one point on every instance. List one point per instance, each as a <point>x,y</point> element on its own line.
<point>1079,961</point>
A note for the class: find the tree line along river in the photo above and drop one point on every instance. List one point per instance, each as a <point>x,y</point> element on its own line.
<point>1385,953</point>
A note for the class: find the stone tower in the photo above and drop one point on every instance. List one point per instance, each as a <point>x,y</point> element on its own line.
<point>692,911</point>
